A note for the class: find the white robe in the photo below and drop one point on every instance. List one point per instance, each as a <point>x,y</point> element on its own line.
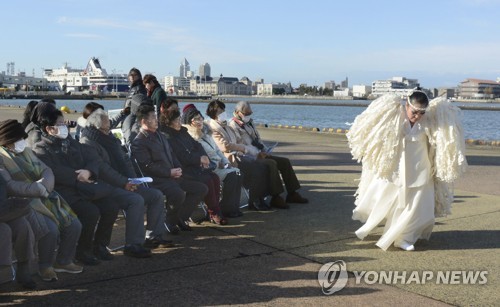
<point>406,202</point>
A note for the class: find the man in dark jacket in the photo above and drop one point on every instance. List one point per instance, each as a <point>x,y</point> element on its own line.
<point>156,158</point>
<point>77,170</point>
<point>120,170</point>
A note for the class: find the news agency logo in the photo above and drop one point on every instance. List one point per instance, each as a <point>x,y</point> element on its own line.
<point>332,277</point>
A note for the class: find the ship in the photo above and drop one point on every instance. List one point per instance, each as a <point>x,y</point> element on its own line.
<point>92,80</point>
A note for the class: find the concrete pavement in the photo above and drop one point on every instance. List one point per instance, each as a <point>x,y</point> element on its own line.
<point>272,258</point>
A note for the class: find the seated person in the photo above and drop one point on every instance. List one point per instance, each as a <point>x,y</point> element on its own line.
<point>79,179</point>
<point>118,166</point>
<point>33,127</point>
<point>91,107</point>
<point>27,176</point>
<point>242,123</point>
<point>255,174</point>
<point>229,176</point>
<point>15,231</point>
<point>194,161</point>
<point>156,158</point>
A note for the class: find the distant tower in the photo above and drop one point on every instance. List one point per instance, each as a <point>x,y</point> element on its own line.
<point>184,68</point>
<point>204,70</point>
<point>11,71</point>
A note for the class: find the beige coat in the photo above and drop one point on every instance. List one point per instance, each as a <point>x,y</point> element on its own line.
<point>228,141</point>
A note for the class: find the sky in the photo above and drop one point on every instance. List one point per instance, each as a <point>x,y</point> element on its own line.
<point>438,42</point>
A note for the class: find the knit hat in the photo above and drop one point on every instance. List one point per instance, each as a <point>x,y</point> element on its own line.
<point>188,113</point>
<point>11,131</point>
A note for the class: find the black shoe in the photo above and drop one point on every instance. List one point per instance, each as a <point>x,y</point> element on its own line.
<point>233,214</point>
<point>102,253</point>
<point>259,205</point>
<point>184,226</point>
<point>137,251</point>
<point>29,284</point>
<point>172,229</point>
<point>158,243</point>
<point>87,258</point>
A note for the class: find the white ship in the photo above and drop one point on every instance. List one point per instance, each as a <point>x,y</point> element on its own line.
<point>93,79</point>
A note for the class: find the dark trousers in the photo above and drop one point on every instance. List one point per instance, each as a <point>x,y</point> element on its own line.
<point>231,193</point>
<point>183,195</point>
<point>281,165</point>
<point>101,213</point>
<point>212,181</point>
<point>255,178</point>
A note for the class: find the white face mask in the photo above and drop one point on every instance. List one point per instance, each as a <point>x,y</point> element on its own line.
<point>222,117</point>
<point>19,146</point>
<point>246,119</point>
<point>62,132</point>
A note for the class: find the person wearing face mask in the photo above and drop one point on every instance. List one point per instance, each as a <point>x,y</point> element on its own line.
<point>52,219</point>
<point>243,124</point>
<point>255,174</point>
<point>77,169</point>
<point>407,166</point>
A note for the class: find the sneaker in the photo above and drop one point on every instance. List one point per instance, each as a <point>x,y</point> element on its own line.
<point>137,251</point>
<point>406,246</point>
<point>48,274</point>
<point>68,268</point>
<point>157,243</point>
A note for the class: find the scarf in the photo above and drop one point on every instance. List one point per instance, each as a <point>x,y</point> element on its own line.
<point>27,167</point>
<point>112,146</point>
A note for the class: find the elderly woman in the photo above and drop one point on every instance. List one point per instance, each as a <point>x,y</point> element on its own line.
<point>230,176</point>
<point>195,163</point>
<point>256,175</point>
<point>242,124</point>
<point>53,219</point>
<point>119,169</point>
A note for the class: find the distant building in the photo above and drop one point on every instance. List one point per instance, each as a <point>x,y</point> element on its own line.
<point>204,70</point>
<point>22,82</point>
<point>398,85</point>
<point>342,93</point>
<point>330,85</point>
<point>171,84</point>
<point>361,91</point>
<point>220,86</point>
<point>184,68</point>
<point>479,89</point>
<point>269,89</point>
<point>345,83</point>
<point>447,92</point>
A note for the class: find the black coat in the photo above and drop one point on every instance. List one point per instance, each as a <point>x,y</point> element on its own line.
<point>154,156</point>
<point>66,156</point>
<point>187,150</point>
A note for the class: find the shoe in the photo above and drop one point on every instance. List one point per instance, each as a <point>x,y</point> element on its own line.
<point>48,274</point>
<point>158,243</point>
<point>102,253</point>
<point>406,246</point>
<point>217,219</point>
<point>87,258</point>
<point>184,226</point>
<point>136,251</point>
<point>296,198</point>
<point>29,284</point>
<point>172,229</point>
<point>278,202</point>
<point>68,268</point>
<point>259,205</point>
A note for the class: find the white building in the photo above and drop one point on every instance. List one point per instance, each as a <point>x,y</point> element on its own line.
<point>361,91</point>
<point>342,93</point>
<point>268,89</point>
<point>220,86</point>
<point>399,85</point>
<point>184,68</point>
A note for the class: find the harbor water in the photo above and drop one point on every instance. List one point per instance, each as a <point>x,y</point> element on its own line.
<point>478,124</point>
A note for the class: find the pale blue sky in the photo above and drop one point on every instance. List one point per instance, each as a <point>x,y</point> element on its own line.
<point>439,42</point>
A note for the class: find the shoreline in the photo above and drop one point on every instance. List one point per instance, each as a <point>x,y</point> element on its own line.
<point>10,112</point>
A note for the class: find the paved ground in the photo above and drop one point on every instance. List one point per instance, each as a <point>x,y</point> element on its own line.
<point>273,258</point>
